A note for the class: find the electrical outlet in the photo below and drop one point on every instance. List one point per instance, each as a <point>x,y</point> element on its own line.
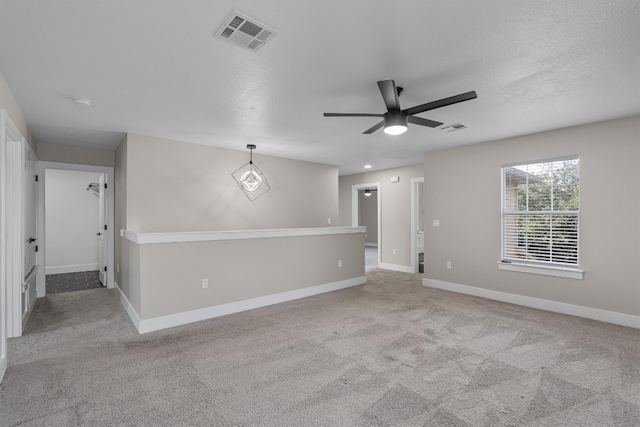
<point>449,265</point>
<point>328,221</point>
<point>205,283</point>
<point>395,252</point>
<point>118,268</point>
<point>436,223</point>
<point>339,263</point>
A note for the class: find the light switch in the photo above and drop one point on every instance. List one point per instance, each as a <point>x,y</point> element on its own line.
<point>436,223</point>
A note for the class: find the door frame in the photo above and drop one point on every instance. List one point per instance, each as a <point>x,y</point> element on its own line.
<point>14,150</point>
<point>10,136</point>
<point>109,173</point>
<point>355,209</point>
<point>414,222</point>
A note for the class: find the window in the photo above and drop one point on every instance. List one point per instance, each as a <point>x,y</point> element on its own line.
<point>540,213</point>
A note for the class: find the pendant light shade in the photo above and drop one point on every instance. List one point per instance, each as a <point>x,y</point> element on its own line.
<point>367,192</point>
<point>250,178</point>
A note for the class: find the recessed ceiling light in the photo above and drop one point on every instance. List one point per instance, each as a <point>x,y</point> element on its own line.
<point>367,166</point>
<point>81,102</point>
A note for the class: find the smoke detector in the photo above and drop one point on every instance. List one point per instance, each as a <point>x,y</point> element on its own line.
<point>454,127</point>
<point>245,31</point>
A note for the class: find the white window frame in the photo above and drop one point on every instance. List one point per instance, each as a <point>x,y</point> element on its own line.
<point>526,266</point>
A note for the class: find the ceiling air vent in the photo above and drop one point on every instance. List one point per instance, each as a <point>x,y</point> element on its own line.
<point>244,31</point>
<point>454,127</point>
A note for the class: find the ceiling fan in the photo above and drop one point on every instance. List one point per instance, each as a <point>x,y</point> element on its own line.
<point>395,120</point>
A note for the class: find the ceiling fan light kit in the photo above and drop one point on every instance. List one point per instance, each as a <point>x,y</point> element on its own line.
<point>395,123</point>
<point>395,120</point>
<point>250,178</point>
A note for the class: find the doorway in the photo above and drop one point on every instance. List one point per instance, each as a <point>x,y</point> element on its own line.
<point>365,211</point>
<point>417,225</point>
<point>76,219</point>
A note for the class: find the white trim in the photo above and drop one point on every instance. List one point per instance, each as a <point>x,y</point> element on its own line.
<point>395,267</point>
<point>14,266</point>
<point>7,129</point>
<point>28,284</point>
<point>61,269</point>
<point>542,304</point>
<point>414,223</point>
<point>110,180</point>
<point>128,307</point>
<point>355,209</point>
<point>549,160</point>
<point>3,367</point>
<point>544,270</point>
<point>141,237</point>
<point>178,319</point>
<point>372,245</point>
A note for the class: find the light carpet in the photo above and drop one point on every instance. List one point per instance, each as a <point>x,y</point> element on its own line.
<point>390,352</point>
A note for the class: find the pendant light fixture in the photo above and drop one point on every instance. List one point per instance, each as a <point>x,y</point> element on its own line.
<point>250,178</point>
<point>367,192</point>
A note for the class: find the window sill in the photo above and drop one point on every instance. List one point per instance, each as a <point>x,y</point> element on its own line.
<point>568,273</point>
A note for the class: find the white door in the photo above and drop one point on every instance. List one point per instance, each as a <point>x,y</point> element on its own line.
<point>29,232</point>
<point>102,232</point>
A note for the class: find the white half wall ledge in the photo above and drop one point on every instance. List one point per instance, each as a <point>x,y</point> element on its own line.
<point>616,318</point>
<point>142,237</point>
<point>184,318</point>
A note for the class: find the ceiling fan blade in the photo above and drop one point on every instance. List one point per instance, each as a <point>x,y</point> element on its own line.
<point>353,115</point>
<point>374,128</point>
<point>441,103</point>
<point>389,94</point>
<point>424,122</point>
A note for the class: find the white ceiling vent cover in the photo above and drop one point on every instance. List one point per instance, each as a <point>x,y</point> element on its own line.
<point>454,127</point>
<point>244,31</point>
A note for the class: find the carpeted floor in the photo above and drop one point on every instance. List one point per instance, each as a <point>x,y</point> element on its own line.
<point>389,352</point>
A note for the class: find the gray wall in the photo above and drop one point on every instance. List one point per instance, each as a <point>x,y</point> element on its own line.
<point>395,215</point>
<point>122,247</point>
<point>75,155</point>
<point>171,273</point>
<point>178,186</point>
<point>164,185</point>
<point>463,191</point>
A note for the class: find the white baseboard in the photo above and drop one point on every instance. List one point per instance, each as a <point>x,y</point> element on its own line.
<point>3,368</point>
<point>372,245</point>
<point>396,267</point>
<point>128,307</point>
<point>178,319</point>
<point>73,268</point>
<point>542,304</point>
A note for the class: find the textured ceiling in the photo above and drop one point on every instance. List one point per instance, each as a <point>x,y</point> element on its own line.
<point>154,67</point>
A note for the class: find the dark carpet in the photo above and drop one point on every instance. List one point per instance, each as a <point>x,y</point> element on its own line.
<point>68,282</point>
